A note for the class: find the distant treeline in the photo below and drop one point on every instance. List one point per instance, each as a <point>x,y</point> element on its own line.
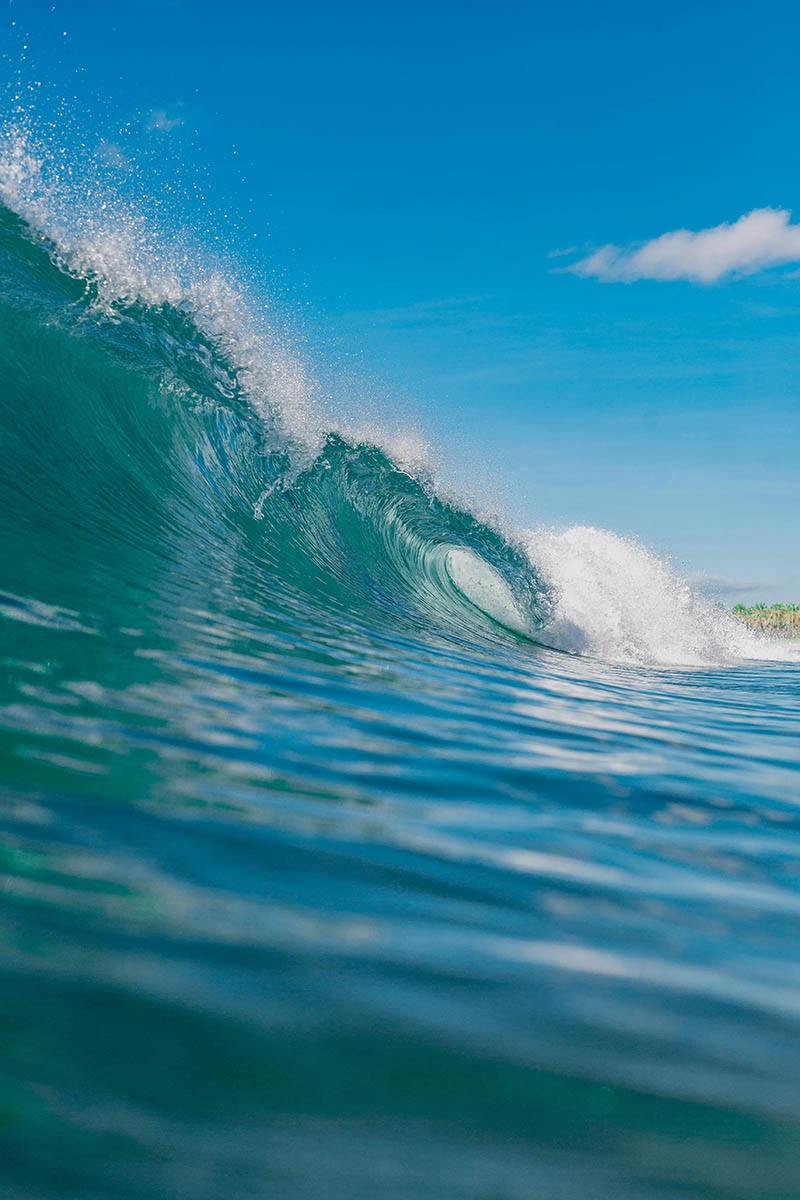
<point>780,619</point>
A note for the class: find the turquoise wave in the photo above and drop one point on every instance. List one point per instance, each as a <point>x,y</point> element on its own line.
<point>136,470</point>
<point>325,872</point>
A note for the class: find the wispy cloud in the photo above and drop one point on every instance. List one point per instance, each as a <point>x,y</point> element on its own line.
<point>760,239</point>
<point>424,310</point>
<point>567,250</point>
<point>714,585</point>
<point>164,120</point>
<point>722,587</point>
<point>442,311</point>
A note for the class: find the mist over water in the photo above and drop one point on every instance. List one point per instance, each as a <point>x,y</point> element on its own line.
<point>354,842</point>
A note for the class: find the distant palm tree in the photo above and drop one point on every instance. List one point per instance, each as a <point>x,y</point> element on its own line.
<point>780,619</point>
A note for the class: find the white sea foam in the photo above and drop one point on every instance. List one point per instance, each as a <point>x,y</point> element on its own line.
<point>617,600</point>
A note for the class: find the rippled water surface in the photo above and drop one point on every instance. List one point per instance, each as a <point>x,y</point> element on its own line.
<point>350,846</point>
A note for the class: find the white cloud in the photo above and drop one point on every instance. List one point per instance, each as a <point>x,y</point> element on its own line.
<point>733,591</point>
<point>164,120</point>
<point>760,239</point>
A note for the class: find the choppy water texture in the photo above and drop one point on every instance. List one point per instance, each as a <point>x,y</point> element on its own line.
<point>353,846</point>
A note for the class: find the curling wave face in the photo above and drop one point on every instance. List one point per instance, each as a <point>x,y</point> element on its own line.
<point>322,858</point>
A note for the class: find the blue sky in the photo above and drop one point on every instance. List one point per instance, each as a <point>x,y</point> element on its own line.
<point>414,171</point>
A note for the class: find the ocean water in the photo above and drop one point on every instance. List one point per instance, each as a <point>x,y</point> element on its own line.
<point>354,844</point>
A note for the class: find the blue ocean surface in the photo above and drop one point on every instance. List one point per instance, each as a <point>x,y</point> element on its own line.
<point>354,843</point>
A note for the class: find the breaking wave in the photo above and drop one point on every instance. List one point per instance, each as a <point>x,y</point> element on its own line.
<point>170,412</point>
